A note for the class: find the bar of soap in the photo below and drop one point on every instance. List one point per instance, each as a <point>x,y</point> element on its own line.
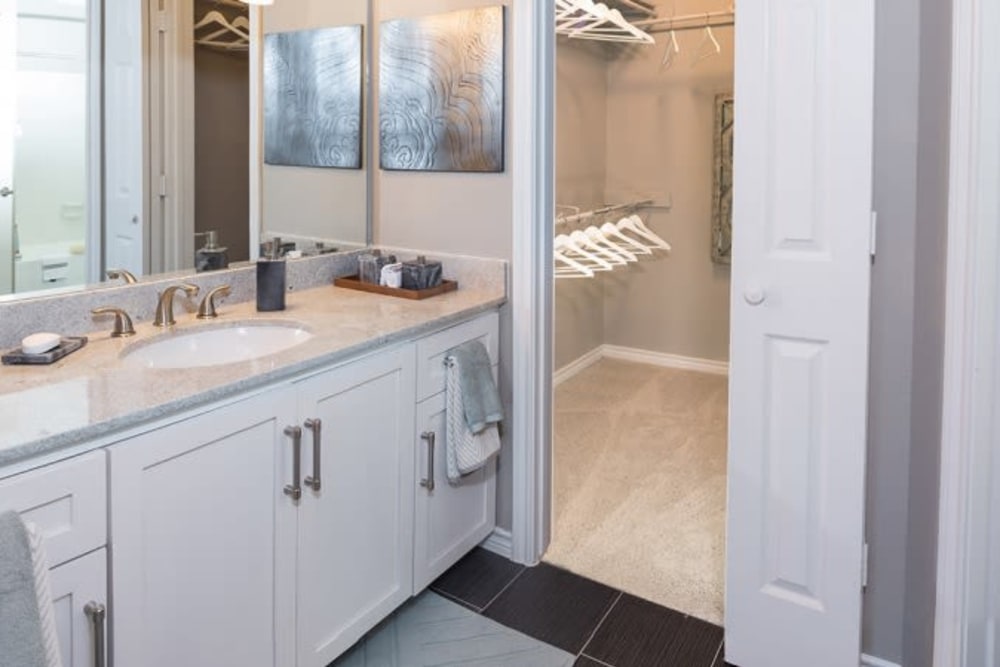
<point>40,343</point>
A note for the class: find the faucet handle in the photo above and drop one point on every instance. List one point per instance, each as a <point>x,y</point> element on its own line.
<point>123,323</point>
<point>206,311</point>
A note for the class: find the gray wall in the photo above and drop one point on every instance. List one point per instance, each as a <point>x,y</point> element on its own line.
<point>304,201</point>
<point>657,144</point>
<point>892,306</point>
<point>661,147</point>
<point>928,330</point>
<point>581,162</point>
<point>911,160</point>
<point>455,213</point>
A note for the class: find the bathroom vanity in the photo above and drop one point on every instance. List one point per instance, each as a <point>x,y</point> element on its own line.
<point>260,513</point>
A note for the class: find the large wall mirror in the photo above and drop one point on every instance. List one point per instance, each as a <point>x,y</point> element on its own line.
<point>129,126</point>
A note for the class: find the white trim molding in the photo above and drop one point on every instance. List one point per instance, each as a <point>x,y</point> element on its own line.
<point>533,149</point>
<point>872,661</point>
<point>638,356</point>
<point>969,540</point>
<point>499,542</point>
<point>666,360</point>
<point>577,366</point>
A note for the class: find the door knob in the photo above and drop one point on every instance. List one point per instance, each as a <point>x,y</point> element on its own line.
<point>6,192</point>
<point>754,295</point>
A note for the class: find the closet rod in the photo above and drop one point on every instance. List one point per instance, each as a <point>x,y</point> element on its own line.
<point>689,22</point>
<point>639,6</point>
<point>577,217</point>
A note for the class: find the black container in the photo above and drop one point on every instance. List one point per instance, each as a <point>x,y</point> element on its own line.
<point>270,285</point>
<point>421,274</point>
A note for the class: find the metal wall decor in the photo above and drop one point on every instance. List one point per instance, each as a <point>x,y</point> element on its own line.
<point>313,98</point>
<point>722,191</point>
<point>441,92</point>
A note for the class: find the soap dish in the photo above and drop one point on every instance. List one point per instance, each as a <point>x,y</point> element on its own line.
<point>68,345</point>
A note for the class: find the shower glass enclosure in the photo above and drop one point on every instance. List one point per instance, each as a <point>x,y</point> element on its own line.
<point>49,104</point>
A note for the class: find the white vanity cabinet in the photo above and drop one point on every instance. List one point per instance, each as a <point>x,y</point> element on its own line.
<point>450,520</point>
<point>355,531</point>
<point>203,542</point>
<point>271,532</point>
<point>66,502</point>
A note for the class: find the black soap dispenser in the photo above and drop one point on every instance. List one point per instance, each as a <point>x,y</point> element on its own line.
<point>211,257</point>
<point>271,278</point>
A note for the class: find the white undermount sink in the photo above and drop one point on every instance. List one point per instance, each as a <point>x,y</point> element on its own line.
<point>216,346</point>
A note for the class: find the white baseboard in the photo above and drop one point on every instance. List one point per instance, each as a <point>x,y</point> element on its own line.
<point>499,542</point>
<point>574,367</point>
<point>665,360</point>
<point>872,661</point>
<point>638,356</point>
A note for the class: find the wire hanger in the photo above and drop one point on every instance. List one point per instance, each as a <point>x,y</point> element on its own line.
<point>708,40</point>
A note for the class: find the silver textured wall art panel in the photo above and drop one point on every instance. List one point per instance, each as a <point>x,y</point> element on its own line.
<point>441,92</point>
<point>312,97</point>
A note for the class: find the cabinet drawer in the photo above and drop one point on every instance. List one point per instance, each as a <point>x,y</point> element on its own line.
<point>67,501</point>
<point>432,349</point>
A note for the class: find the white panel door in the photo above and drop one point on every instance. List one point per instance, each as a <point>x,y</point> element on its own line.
<point>203,540</point>
<point>356,532</point>
<point>804,98</point>
<point>124,213</point>
<point>450,520</point>
<point>75,585</point>
<point>8,109</point>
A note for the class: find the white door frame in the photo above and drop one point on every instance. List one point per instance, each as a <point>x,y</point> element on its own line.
<point>968,537</point>
<point>532,290</point>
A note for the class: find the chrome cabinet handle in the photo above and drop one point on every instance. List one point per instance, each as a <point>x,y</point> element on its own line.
<point>96,612</point>
<point>295,488</point>
<point>429,437</point>
<point>316,426</point>
<point>6,192</point>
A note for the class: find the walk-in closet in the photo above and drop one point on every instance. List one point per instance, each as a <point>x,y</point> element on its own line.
<point>644,116</point>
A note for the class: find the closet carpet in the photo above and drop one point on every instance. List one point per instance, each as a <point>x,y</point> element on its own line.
<point>640,483</point>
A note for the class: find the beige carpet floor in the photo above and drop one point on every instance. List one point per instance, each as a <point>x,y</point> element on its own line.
<point>640,483</point>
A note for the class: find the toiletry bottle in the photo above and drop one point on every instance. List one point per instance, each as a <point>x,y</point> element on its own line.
<point>211,257</point>
<point>271,279</point>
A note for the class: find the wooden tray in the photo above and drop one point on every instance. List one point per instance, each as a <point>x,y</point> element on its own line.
<point>352,282</point>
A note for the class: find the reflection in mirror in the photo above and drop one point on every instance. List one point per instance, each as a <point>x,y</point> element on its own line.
<point>181,83</point>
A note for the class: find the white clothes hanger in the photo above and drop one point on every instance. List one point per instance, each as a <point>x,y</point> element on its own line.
<point>635,225</point>
<point>585,241</point>
<point>610,230</point>
<point>570,249</point>
<point>573,268</point>
<point>708,40</point>
<point>673,50</point>
<point>239,30</point>
<point>598,237</point>
<point>585,19</point>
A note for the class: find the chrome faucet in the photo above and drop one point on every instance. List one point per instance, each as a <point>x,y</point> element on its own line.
<point>165,307</point>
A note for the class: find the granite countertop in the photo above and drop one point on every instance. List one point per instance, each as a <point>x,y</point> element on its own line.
<point>93,393</point>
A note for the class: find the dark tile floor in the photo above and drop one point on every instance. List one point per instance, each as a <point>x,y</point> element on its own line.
<point>603,626</point>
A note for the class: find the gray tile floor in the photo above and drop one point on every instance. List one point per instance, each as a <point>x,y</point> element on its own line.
<point>430,631</point>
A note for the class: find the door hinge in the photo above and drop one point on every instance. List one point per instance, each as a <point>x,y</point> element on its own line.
<point>864,566</point>
<point>163,186</point>
<point>873,238</point>
<point>163,21</point>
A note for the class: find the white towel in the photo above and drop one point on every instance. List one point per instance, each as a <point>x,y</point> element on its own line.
<point>466,451</point>
<point>43,590</point>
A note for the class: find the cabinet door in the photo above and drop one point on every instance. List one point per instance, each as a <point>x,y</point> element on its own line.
<point>75,585</point>
<point>450,519</point>
<point>356,531</point>
<point>203,540</point>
